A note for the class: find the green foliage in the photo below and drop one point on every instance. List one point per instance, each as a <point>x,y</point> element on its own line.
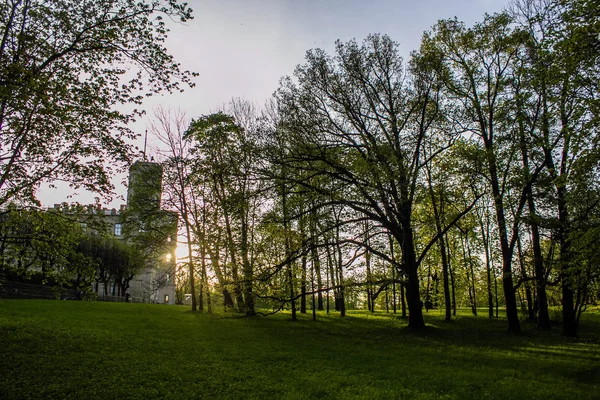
<point>65,68</point>
<point>114,259</point>
<point>43,245</point>
<point>523,83</point>
<point>52,248</point>
<point>499,117</point>
<point>222,162</point>
<point>131,351</point>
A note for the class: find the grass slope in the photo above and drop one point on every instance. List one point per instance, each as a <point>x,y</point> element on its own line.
<point>60,349</point>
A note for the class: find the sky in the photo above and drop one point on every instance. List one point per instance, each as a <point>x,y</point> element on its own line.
<point>242,48</point>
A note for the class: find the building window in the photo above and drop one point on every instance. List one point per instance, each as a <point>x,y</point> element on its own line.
<point>166,298</point>
<point>117,229</point>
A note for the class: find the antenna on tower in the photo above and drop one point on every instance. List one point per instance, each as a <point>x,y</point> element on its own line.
<point>145,143</point>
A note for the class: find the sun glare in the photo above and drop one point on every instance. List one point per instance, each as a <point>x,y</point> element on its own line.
<point>181,252</point>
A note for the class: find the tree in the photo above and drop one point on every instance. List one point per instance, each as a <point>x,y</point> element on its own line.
<point>222,153</point>
<point>276,148</point>
<point>117,262</point>
<point>359,121</point>
<point>559,83</point>
<point>169,128</point>
<point>475,66</point>
<point>43,246</point>
<point>450,179</point>
<point>71,76</point>
<point>571,143</point>
<point>246,117</point>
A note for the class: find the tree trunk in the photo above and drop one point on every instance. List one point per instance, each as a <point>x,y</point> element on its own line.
<point>227,300</point>
<point>472,282</point>
<point>528,296</point>
<point>247,267</point>
<point>288,251</point>
<point>329,273</point>
<point>303,286</point>
<point>312,289</point>
<point>201,297</point>
<point>203,260</point>
<point>428,289</point>
<point>370,294</point>
<point>409,260</point>
<point>445,268</point>
<point>391,240</point>
<point>303,263</point>
<point>316,262</point>
<point>452,282</point>
<point>489,289</point>
<point>485,238</point>
<point>340,301</point>
<point>436,290</point>
<point>438,227</point>
<point>387,300</point>
<point>317,267</point>
<point>237,289</point>
<point>205,277</point>
<point>569,314</point>
<point>403,300</point>
<point>512,314</point>
<point>495,288</point>
<point>290,276</point>
<point>188,235</point>
<point>540,277</point>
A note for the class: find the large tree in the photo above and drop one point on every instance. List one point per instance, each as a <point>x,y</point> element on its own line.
<point>476,65</point>
<point>222,154</point>
<point>361,121</point>
<point>72,73</point>
<point>569,137</point>
<point>169,127</point>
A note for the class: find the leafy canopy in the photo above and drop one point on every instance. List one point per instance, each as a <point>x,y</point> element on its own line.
<point>72,74</point>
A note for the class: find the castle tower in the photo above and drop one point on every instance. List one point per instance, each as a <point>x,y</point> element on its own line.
<point>145,186</point>
<point>153,230</point>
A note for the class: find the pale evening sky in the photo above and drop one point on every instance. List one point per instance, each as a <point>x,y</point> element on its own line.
<point>241,48</point>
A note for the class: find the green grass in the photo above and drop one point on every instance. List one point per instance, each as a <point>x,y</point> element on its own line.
<point>87,350</point>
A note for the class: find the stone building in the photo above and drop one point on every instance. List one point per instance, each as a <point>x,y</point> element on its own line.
<point>144,224</point>
<point>144,221</point>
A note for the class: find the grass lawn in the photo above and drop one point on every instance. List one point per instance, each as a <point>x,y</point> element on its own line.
<point>92,350</point>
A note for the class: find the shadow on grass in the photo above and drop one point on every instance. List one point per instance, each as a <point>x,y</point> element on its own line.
<point>146,351</point>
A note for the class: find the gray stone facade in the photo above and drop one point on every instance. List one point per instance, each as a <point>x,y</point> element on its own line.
<point>141,220</point>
